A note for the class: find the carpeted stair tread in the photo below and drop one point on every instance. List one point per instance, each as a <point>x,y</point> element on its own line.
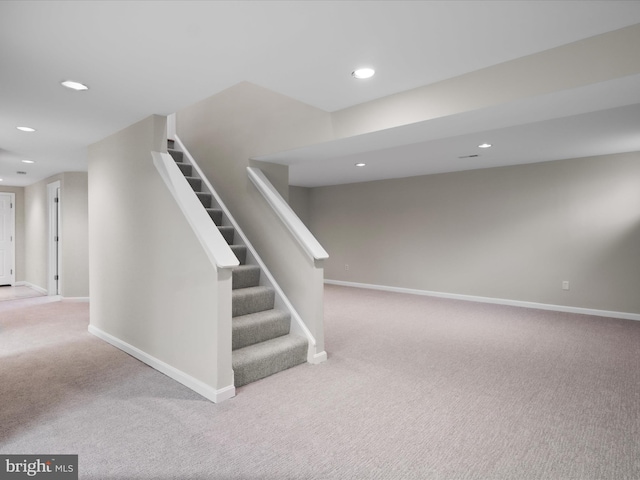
<point>260,327</point>
<point>251,300</point>
<point>240,251</point>
<point>245,276</point>
<point>228,233</point>
<point>266,358</point>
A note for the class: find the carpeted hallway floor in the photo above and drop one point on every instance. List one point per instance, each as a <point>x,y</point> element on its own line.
<point>414,388</point>
<point>14,293</point>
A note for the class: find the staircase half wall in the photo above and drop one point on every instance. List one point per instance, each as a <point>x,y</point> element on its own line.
<point>154,291</point>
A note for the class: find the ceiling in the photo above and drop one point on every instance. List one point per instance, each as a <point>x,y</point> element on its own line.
<point>156,57</point>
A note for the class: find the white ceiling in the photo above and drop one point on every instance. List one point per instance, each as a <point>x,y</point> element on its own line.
<point>155,57</point>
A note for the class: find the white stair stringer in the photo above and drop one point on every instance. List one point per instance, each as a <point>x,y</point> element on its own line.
<point>266,279</point>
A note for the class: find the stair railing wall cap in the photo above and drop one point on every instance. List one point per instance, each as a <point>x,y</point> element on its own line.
<point>298,229</point>
<point>214,244</point>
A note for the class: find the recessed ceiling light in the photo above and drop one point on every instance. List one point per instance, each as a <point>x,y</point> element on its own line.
<point>484,145</point>
<point>26,129</point>
<point>28,161</point>
<point>363,73</point>
<point>1,180</point>
<point>360,164</point>
<point>74,85</point>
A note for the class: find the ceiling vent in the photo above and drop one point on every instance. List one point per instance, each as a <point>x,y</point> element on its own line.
<point>21,173</point>
<point>469,156</point>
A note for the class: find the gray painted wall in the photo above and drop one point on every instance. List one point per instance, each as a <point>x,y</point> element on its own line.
<point>75,234</point>
<point>152,285</point>
<point>299,198</point>
<point>36,233</point>
<point>511,232</point>
<point>73,229</point>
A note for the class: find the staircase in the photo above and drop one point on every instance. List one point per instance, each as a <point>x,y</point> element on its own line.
<point>262,343</point>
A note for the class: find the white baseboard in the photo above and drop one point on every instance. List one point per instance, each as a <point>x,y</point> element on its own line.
<point>188,381</point>
<point>318,358</point>
<point>31,285</point>
<point>75,299</point>
<point>497,301</point>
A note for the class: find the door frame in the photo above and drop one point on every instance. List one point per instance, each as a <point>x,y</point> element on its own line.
<point>12,199</point>
<point>54,287</point>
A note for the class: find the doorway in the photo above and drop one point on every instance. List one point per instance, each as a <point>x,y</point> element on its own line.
<point>7,238</point>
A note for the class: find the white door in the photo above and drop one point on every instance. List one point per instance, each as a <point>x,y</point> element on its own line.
<point>7,252</point>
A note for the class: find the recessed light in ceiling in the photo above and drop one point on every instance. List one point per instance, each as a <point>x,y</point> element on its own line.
<point>363,73</point>
<point>1,180</point>
<point>484,145</point>
<point>74,85</point>
<point>360,164</point>
<point>28,161</point>
<point>26,129</point>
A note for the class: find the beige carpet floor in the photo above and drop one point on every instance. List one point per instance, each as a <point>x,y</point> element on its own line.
<point>13,293</point>
<point>414,388</point>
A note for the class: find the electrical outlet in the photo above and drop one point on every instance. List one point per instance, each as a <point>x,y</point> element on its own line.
<point>565,285</point>
<point>346,266</point>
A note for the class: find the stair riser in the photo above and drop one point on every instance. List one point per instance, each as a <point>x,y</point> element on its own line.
<point>244,303</point>
<point>244,278</point>
<point>195,183</point>
<point>216,216</point>
<point>261,367</point>
<point>187,170</point>
<point>228,233</point>
<point>205,198</point>
<point>177,155</point>
<point>256,328</point>
<point>240,251</point>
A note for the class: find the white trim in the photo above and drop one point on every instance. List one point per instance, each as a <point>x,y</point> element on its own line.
<point>298,325</point>
<point>52,245</point>
<point>188,381</point>
<point>497,301</point>
<point>75,299</point>
<point>171,126</point>
<point>298,229</point>
<point>318,358</point>
<point>34,287</point>
<point>12,200</point>
<point>215,246</point>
